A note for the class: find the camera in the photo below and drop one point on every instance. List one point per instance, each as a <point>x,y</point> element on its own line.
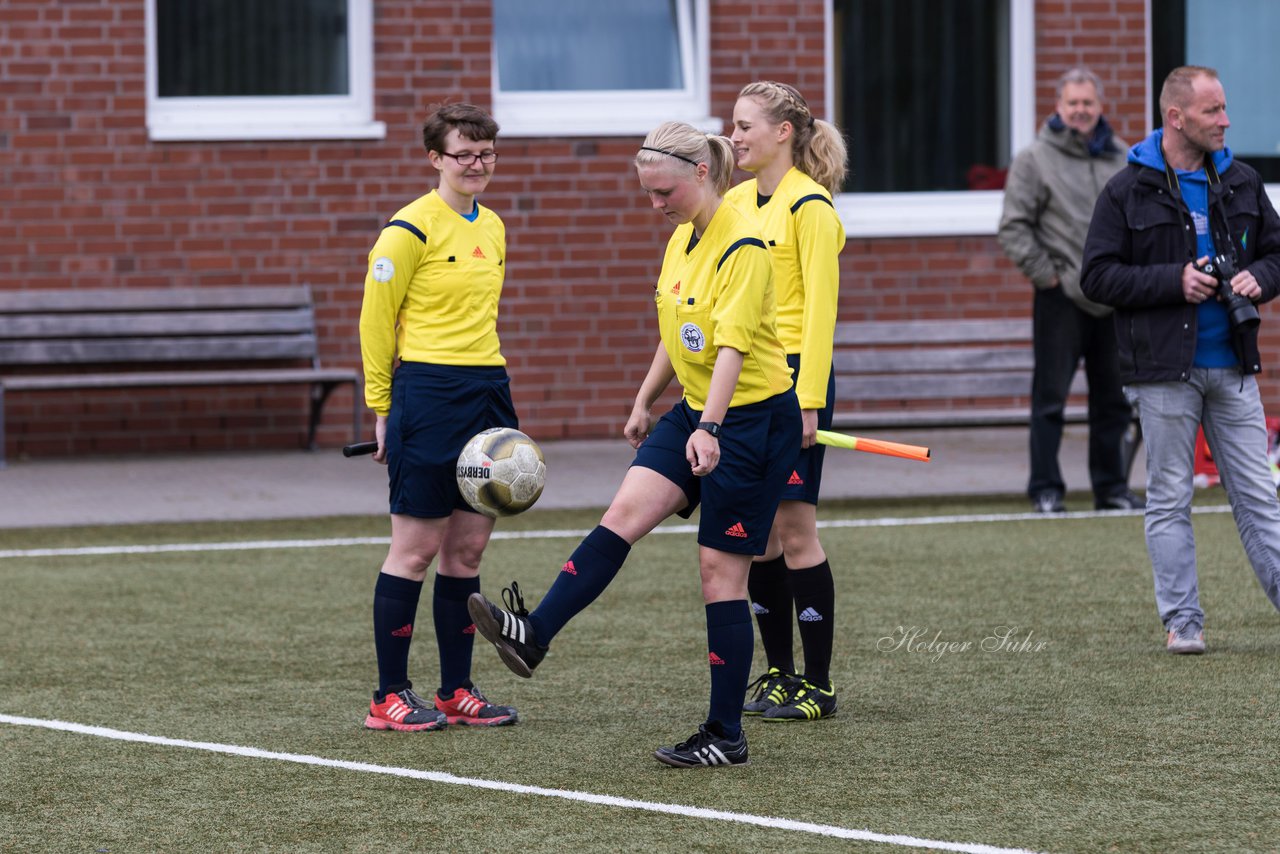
<point>1241,311</point>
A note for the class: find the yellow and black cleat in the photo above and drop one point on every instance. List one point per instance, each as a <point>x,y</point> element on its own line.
<point>806,703</point>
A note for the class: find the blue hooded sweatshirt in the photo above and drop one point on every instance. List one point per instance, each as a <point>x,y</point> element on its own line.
<point>1213,330</point>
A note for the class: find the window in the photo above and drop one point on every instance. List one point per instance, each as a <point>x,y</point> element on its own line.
<point>935,97</point>
<point>243,69</point>
<point>588,68</point>
<point>1237,40</point>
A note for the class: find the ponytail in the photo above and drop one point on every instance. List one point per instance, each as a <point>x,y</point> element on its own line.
<point>817,147</point>
<point>823,156</point>
<point>720,166</point>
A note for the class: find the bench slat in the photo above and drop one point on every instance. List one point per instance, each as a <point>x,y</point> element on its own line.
<point>860,333</point>
<point>153,299</point>
<point>981,417</point>
<point>996,384</point>
<point>930,387</point>
<point>166,323</point>
<point>144,379</point>
<point>116,350</point>
<point>936,360</point>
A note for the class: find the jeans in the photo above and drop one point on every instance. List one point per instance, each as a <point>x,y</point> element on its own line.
<point>1062,335</point>
<point>1229,408</point>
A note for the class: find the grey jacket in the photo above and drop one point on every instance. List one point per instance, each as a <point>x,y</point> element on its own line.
<point>1048,202</point>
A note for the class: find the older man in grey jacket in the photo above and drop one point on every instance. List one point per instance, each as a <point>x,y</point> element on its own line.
<point>1049,198</point>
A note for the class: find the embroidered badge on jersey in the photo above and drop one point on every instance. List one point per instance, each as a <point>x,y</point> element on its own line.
<point>692,337</point>
<point>383,270</point>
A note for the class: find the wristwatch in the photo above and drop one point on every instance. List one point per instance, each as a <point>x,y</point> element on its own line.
<point>711,427</point>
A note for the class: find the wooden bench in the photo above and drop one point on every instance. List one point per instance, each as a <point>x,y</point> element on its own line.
<point>942,373</point>
<point>161,337</point>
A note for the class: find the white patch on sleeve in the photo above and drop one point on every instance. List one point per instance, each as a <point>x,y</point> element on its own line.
<point>383,270</point>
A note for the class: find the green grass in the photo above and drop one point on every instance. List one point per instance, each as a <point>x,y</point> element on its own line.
<point>1095,741</point>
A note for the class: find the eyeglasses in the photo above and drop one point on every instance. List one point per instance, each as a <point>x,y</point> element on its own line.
<point>467,158</point>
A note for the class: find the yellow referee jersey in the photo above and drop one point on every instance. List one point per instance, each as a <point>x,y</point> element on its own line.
<point>431,293</point>
<point>805,238</point>
<point>720,294</point>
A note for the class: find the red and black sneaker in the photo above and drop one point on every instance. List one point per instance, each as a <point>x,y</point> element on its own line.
<point>403,711</point>
<point>468,707</point>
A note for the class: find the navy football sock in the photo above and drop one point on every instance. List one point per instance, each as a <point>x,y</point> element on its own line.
<point>582,579</point>
<point>815,595</point>
<point>395,604</point>
<point>449,610</point>
<point>771,601</point>
<point>729,647</point>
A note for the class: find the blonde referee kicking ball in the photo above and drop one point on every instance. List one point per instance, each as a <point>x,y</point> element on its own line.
<point>730,443</point>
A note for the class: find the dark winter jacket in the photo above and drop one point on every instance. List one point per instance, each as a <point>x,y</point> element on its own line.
<point>1142,236</point>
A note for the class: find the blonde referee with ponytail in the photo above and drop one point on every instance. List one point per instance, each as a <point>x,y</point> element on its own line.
<point>729,444</point>
<point>798,162</point>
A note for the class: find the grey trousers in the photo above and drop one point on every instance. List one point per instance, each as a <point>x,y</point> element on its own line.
<point>1235,428</point>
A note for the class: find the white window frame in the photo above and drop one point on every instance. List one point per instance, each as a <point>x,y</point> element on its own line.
<point>347,116</point>
<point>619,113</point>
<point>1273,190</point>
<point>974,212</point>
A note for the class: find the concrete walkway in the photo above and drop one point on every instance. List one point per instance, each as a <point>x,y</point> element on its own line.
<point>301,484</point>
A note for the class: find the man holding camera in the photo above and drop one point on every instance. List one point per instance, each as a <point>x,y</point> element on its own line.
<point>1183,243</point>
<point>1048,199</point>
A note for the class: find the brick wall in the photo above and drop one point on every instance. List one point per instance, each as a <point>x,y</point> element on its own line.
<point>89,201</point>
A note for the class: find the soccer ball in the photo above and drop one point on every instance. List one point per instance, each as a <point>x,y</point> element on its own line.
<point>501,472</point>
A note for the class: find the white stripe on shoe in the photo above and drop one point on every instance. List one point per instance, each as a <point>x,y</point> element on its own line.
<point>512,627</point>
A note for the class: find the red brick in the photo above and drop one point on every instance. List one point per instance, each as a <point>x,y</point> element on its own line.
<point>95,197</point>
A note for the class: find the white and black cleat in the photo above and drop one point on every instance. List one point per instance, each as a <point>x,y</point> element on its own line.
<point>508,630</point>
<point>705,749</point>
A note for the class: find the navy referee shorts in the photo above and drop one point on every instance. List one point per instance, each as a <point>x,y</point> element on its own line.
<point>805,481</point>
<point>435,410</point>
<point>759,443</point>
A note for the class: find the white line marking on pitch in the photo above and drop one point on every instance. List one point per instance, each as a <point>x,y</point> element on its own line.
<point>516,788</point>
<point>881,522</point>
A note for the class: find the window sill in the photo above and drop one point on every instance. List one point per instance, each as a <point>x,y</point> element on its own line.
<point>600,125</point>
<point>191,131</point>
<point>975,212</point>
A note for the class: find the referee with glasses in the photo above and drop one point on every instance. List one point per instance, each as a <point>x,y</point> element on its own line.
<point>435,376</point>
<point>730,443</point>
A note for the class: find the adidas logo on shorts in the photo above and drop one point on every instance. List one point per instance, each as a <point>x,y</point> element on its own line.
<point>809,615</point>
